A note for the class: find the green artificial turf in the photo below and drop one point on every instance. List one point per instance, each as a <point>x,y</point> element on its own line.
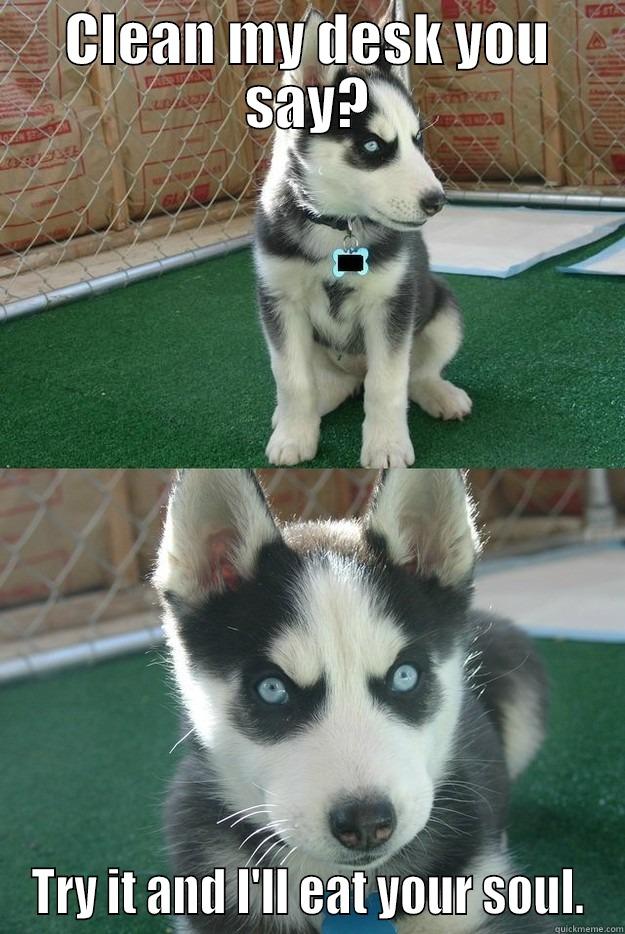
<point>174,372</point>
<point>85,758</point>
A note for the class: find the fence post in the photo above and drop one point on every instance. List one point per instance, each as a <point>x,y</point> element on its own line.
<point>600,514</point>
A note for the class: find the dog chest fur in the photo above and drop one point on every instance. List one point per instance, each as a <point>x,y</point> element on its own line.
<point>336,308</point>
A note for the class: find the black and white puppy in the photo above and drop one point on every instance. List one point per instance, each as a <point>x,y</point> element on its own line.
<point>348,709</point>
<point>396,327</point>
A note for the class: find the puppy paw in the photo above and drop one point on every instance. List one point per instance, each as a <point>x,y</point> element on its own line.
<point>293,442</point>
<point>441,399</point>
<point>383,447</point>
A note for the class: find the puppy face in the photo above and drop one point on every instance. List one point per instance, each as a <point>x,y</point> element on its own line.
<point>325,675</point>
<point>374,168</point>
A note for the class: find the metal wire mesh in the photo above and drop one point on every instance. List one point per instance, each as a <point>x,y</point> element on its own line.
<point>107,168</point>
<point>77,546</point>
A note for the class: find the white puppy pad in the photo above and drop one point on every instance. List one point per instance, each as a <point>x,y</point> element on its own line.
<point>609,262</point>
<point>503,241</point>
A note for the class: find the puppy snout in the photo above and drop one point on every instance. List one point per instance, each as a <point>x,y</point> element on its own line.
<point>363,824</point>
<point>432,202</point>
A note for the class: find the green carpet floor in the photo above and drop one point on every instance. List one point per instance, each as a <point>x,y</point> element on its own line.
<point>174,372</point>
<point>85,757</point>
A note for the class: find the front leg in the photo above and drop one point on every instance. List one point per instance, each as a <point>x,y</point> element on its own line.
<point>296,419</point>
<point>385,437</point>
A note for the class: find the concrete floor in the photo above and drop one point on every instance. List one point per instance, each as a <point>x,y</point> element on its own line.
<point>575,593</point>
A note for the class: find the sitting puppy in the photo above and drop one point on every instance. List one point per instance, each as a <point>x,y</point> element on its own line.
<point>394,327</point>
<point>348,709</point>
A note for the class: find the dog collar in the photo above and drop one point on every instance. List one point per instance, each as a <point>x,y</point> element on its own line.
<point>352,258</point>
<point>327,220</point>
<point>363,924</point>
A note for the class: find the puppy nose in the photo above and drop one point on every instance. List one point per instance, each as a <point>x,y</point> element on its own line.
<point>432,202</point>
<point>363,824</point>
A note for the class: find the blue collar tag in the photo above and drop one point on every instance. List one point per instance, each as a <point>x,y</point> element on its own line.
<point>351,260</point>
<point>363,924</point>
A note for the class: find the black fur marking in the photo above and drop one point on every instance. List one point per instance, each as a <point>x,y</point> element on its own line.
<point>229,634</point>
<point>443,296</point>
<point>354,345</point>
<point>386,245</point>
<point>358,132</point>
<point>336,292</point>
<point>231,629</point>
<point>270,316</point>
<point>415,706</point>
<point>360,158</point>
<point>433,617</point>
<point>269,723</point>
<point>401,311</point>
<point>278,234</point>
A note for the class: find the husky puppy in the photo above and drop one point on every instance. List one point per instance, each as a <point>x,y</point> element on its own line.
<point>348,709</point>
<point>396,327</point>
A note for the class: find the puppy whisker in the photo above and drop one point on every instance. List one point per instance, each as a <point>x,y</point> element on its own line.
<point>262,843</point>
<point>268,826</point>
<point>253,807</point>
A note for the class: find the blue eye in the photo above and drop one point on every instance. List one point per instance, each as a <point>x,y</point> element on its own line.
<point>405,678</point>
<point>371,145</point>
<point>272,691</point>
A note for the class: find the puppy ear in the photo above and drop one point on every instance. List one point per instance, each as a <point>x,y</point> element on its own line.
<point>386,11</point>
<point>217,522</point>
<point>426,520</point>
<point>310,71</point>
<point>383,12</point>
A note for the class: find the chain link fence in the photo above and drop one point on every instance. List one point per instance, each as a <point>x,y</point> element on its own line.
<point>77,546</point>
<point>110,173</point>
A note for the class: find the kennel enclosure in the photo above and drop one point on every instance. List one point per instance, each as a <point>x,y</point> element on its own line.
<point>112,173</point>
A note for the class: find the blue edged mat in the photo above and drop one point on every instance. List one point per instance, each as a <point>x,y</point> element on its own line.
<point>608,262</point>
<point>367,924</point>
<point>504,241</point>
